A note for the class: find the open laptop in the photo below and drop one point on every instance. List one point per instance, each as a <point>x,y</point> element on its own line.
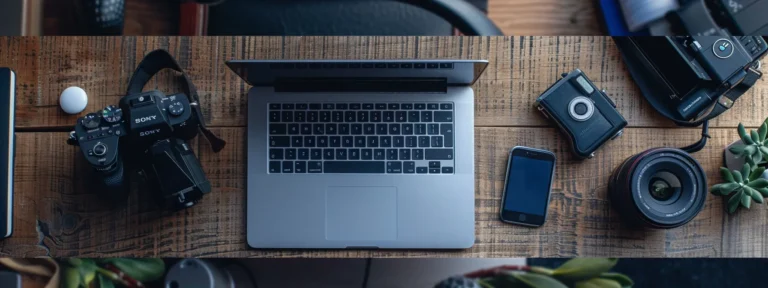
<point>360,154</point>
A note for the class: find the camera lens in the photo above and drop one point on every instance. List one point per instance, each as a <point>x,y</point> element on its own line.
<point>581,108</point>
<point>658,188</point>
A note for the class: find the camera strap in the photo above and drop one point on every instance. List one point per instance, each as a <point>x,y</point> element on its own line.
<point>152,64</point>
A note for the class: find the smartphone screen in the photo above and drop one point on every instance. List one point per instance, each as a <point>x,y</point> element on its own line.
<point>527,187</point>
<point>7,105</point>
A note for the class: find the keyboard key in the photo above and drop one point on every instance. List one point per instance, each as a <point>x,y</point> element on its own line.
<point>447,131</point>
<point>376,116</point>
<point>328,106</point>
<point>342,106</point>
<point>315,167</point>
<point>432,106</point>
<point>381,129</point>
<point>373,141</point>
<point>381,106</point>
<point>447,170</point>
<point>306,129</point>
<point>309,141</point>
<point>423,141</point>
<point>341,154</point>
<point>274,116</point>
<point>302,106</point>
<point>362,116</point>
<point>315,106</point>
<point>325,116</point>
<point>359,141</point>
<point>300,116</point>
<point>410,141</point>
<point>312,116</point>
<point>350,116</point>
<point>393,106</point>
<point>421,129</point>
<point>343,129</point>
<point>422,170</point>
<point>437,141</point>
<point>418,154</point>
<point>300,167</point>
<point>287,116</point>
<point>433,129</point>
<point>328,154</point>
<point>293,129</point>
<point>274,167</point>
<point>443,116</point>
<point>353,167</point>
<point>347,141</point>
<point>322,141</point>
<point>405,154</point>
<point>354,154</point>
<point>366,154</point>
<point>290,154</point>
<point>303,154</point>
<point>389,116</point>
<point>316,154</point>
<point>277,129</point>
<point>368,106</point>
<point>334,141</point>
<point>426,116</point>
<point>338,116</point>
<point>330,129</point>
<point>318,129</point>
<point>355,106</point>
<point>398,141</point>
<point>446,106</point>
<point>407,129</point>
<point>274,106</point>
<point>357,129</point>
<point>409,167</point>
<point>369,129</point>
<point>279,141</point>
<point>420,106</point>
<point>391,154</point>
<point>287,166</point>
<point>434,164</point>
<point>434,170</point>
<point>297,141</point>
<point>288,106</point>
<point>385,141</point>
<point>394,167</point>
<point>406,106</point>
<point>276,154</point>
<point>432,65</point>
<point>413,116</point>
<point>438,154</point>
<point>378,154</point>
<point>401,116</point>
<point>394,129</point>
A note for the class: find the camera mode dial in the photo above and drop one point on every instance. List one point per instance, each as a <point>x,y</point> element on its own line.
<point>112,114</point>
<point>176,109</point>
<point>91,121</point>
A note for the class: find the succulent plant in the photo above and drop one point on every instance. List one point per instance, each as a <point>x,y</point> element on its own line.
<point>458,282</point>
<point>754,148</point>
<point>742,186</point>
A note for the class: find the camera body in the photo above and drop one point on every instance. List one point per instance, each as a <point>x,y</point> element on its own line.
<point>148,132</point>
<point>583,112</point>
<point>688,74</point>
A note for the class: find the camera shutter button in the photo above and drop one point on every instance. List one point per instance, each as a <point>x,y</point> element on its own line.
<point>99,149</point>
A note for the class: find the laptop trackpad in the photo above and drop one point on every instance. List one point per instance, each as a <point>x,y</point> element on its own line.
<point>361,213</point>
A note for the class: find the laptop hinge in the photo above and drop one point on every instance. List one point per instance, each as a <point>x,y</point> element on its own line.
<point>389,85</point>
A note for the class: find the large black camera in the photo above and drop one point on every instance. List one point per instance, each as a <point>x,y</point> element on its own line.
<point>691,79</point>
<point>147,133</point>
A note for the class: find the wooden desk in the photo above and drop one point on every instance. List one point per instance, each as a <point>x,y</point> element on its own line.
<point>56,215</point>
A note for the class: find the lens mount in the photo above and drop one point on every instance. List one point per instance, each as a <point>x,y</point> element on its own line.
<point>659,188</point>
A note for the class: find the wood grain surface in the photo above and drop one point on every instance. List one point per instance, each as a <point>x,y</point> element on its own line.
<point>57,215</point>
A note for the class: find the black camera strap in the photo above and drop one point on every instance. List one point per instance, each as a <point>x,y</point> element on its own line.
<point>152,64</point>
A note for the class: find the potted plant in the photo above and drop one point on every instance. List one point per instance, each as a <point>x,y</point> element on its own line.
<point>752,148</point>
<point>575,273</point>
<point>110,272</point>
<point>742,187</point>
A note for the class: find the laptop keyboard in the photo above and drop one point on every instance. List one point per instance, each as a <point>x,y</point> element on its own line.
<point>378,138</point>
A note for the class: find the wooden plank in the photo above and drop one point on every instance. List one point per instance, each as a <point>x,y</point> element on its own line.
<point>546,17</point>
<point>520,69</point>
<point>57,215</point>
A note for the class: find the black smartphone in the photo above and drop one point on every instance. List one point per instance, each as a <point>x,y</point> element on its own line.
<point>7,144</point>
<point>10,279</point>
<point>530,173</point>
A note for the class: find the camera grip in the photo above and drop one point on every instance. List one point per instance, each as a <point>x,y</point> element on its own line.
<point>112,184</point>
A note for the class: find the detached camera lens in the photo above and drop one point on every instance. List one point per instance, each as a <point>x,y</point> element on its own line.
<point>659,188</point>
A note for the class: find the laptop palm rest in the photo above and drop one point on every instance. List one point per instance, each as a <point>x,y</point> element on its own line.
<point>361,213</point>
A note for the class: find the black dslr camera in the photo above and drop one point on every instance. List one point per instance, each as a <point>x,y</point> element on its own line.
<point>583,112</point>
<point>147,132</point>
<point>691,79</point>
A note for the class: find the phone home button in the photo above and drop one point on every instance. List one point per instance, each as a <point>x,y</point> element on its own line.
<point>521,217</point>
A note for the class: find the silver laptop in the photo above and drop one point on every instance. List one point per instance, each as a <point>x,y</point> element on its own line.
<point>360,154</point>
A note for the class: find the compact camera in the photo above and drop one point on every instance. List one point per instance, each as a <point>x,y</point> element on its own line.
<point>583,112</point>
<point>148,132</point>
<point>685,77</point>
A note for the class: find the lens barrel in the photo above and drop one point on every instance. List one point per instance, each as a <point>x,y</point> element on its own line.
<point>658,188</point>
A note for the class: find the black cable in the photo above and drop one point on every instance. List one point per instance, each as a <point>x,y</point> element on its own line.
<point>367,272</point>
<point>696,147</point>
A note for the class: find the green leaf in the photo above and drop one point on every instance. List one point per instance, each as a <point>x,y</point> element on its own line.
<point>727,175</point>
<point>763,191</point>
<point>71,278</point>
<point>143,270</point>
<point>756,158</point>
<point>105,282</point>
<point>538,281</point>
<point>598,283</point>
<point>743,133</point>
<point>762,131</point>
<point>755,137</point>
<point>763,150</point>
<point>737,176</point>
<point>578,269</point>
<point>623,280</point>
<point>757,173</point>
<point>754,194</point>
<point>749,150</point>
<point>746,200</point>
<point>725,188</point>
<point>745,170</point>
<point>737,149</point>
<point>733,202</point>
<point>759,183</point>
